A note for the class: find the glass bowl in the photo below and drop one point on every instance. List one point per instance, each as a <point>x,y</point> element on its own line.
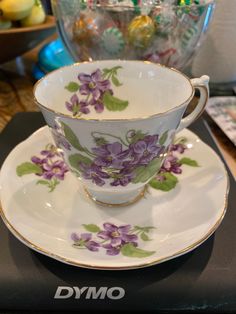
<point>161,31</point>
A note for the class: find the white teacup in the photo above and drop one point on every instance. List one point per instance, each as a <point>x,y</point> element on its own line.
<point>115,120</point>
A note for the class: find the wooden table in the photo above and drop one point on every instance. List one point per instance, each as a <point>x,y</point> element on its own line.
<point>16,86</point>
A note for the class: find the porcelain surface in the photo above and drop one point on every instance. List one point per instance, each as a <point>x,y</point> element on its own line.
<point>138,108</point>
<point>66,225</point>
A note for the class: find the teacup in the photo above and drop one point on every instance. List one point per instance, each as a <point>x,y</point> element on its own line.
<point>115,121</point>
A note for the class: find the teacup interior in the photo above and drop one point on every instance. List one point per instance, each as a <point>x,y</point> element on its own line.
<point>113,89</point>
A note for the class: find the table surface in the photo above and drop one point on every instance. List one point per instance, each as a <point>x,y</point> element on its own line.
<point>16,95</point>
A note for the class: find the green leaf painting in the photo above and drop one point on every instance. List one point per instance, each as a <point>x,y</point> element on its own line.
<point>188,162</point>
<point>76,159</point>
<point>115,81</point>
<point>168,182</point>
<point>71,137</point>
<point>92,228</point>
<point>28,168</point>
<point>72,87</point>
<point>113,103</point>
<point>130,250</point>
<point>163,138</point>
<point>144,173</point>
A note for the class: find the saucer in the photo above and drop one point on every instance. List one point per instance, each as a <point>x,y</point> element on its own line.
<point>55,217</point>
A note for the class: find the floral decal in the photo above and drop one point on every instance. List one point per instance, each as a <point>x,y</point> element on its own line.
<point>166,178</point>
<point>50,166</point>
<point>94,92</point>
<point>137,162</point>
<point>117,161</point>
<point>114,239</point>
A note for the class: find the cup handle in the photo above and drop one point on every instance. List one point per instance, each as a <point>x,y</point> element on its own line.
<point>201,84</point>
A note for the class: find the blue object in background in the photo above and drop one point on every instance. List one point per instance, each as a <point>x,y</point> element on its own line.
<point>51,57</point>
<point>37,72</point>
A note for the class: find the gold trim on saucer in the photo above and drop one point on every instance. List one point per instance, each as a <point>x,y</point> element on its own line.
<point>104,204</point>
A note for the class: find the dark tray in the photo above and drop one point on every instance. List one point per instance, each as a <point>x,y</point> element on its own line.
<point>203,280</point>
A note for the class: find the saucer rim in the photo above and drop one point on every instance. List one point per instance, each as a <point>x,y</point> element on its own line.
<point>62,259</point>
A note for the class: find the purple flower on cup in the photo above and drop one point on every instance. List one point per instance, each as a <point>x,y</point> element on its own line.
<point>77,106</point>
<point>94,173</point>
<point>109,155</point>
<point>93,84</point>
<point>98,104</point>
<point>145,150</point>
<point>95,90</point>
<point>85,240</point>
<point>117,236</point>
<point>123,177</point>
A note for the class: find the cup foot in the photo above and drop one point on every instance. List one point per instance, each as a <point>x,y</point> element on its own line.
<point>119,201</point>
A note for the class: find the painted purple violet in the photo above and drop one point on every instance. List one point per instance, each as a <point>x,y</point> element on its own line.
<point>145,150</point>
<point>38,161</point>
<point>93,84</point>
<point>109,155</point>
<point>77,106</point>
<point>97,104</point>
<point>94,173</point>
<point>85,240</point>
<point>171,163</point>
<point>117,236</point>
<point>56,169</point>
<point>95,91</point>
<point>51,152</point>
<point>123,177</point>
<point>114,239</point>
<point>51,164</point>
<point>180,148</point>
<point>119,161</point>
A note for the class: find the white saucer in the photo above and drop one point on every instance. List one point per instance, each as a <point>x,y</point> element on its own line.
<point>181,219</point>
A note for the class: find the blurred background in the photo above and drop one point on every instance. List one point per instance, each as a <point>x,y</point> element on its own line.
<point>195,36</point>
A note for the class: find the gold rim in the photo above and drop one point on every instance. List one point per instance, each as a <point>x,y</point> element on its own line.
<point>64,115</point>
<point>91,266</point>
<point>127,203</point>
